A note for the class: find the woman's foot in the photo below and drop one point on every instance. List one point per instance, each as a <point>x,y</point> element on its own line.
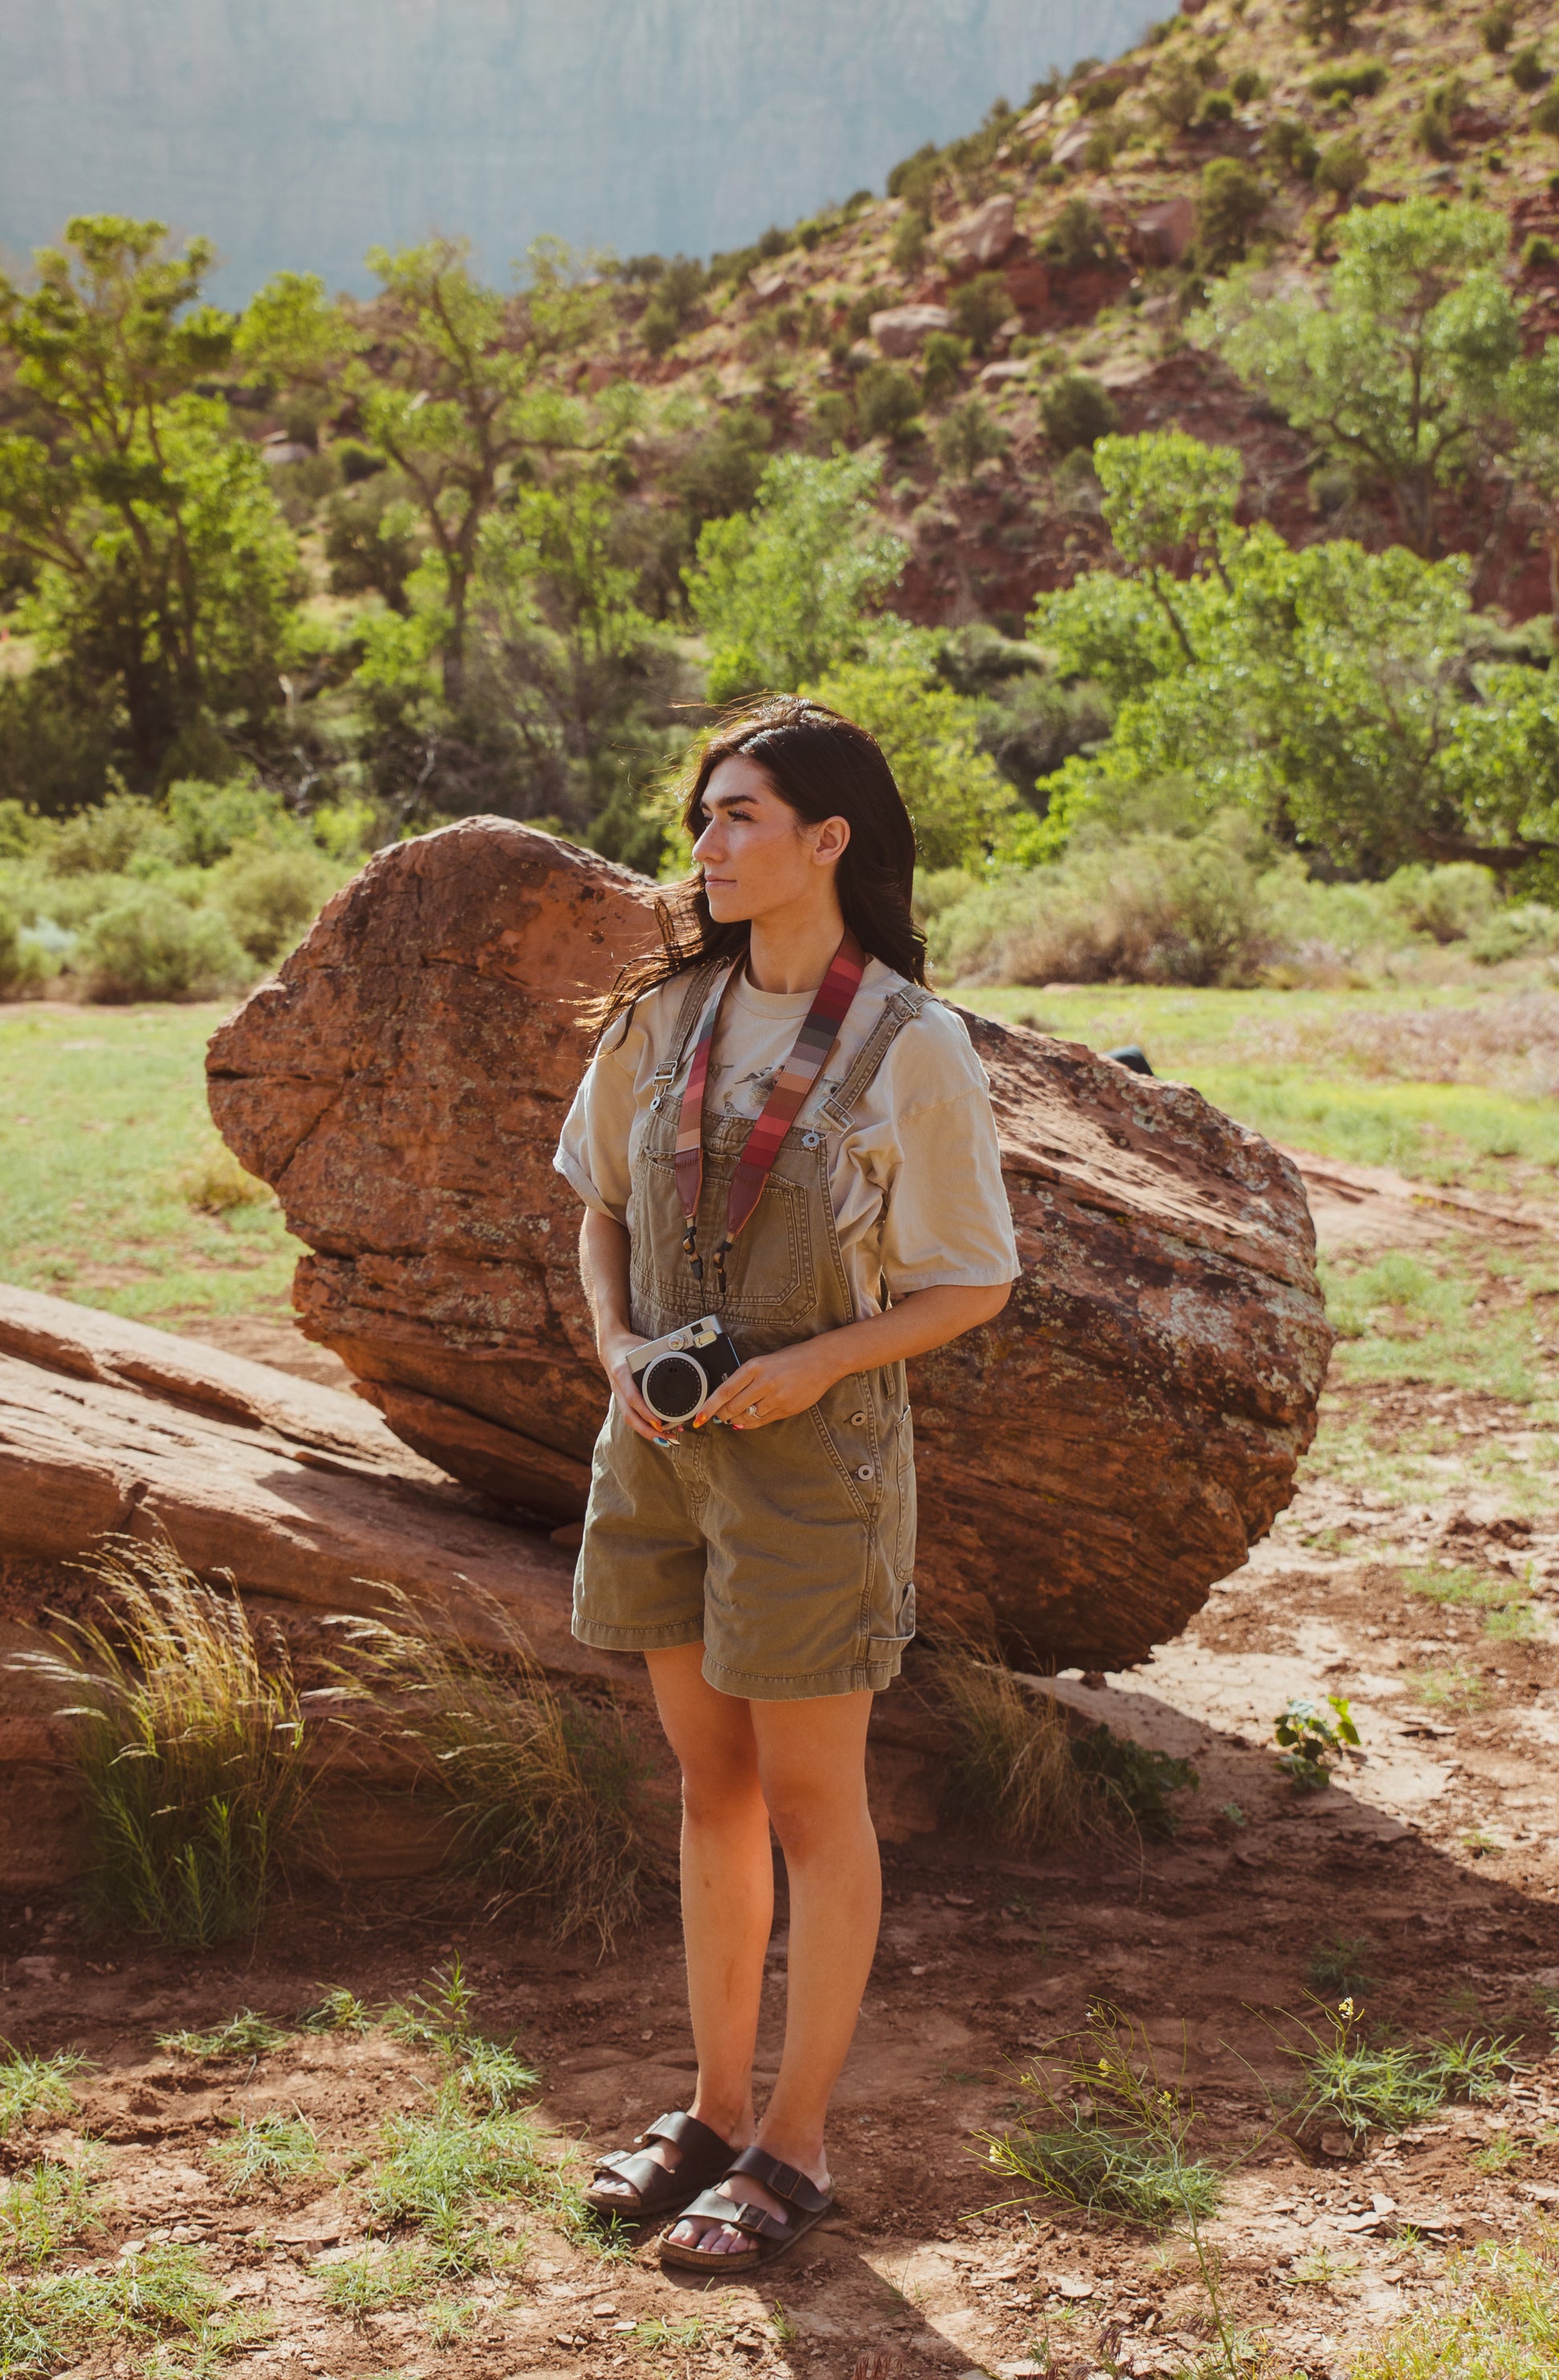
<point>609,2190</point>
<point>716,2238</point>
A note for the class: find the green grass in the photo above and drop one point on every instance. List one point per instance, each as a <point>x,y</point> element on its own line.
<point>1455,1321</point>
<point>274,2148</point>
<point>439,2170</point>
<point>36,2086</point>
<point>159,2297</point>
<point>1356,1105</point>
<point>104,1138</point>
<point>1502,2322</point>
<point>380,2277</point>
<point>248,2034</point>
<point>340,2010</point>
<point>42,2208</point>
<point>1340,1964</point>
<point>1389,2085</point>
<point>1501,1601</point>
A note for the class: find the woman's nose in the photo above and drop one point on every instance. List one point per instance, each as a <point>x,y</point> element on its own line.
<point>705,844</point>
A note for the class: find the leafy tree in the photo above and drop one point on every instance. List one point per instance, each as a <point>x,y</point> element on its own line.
<point>942,359</point>
<point>1231,201</point>
<point>1405,362</point>
<point>1076,411</point>
<point>980,308</point>
<point>781,593</point>
<point>960,803</point>
<point>1330,689</point>
<point>1343,168</point>
<point>454,383</point>
<point>564,656</point>
<point>970,434</point>
<point>162,567</point>
<point>887,401</point>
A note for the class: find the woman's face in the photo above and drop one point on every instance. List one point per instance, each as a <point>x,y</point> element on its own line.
<point>757,856</point>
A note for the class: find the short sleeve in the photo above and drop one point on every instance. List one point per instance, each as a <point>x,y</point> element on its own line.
<point>947,1222</point>
<point>592,1154</point>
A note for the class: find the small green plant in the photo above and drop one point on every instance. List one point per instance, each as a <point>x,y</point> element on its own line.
<point>1077,412</point>
<point>1340,1966</point>
<point>247,2034</point>
<point>158,2296</point>
<point>1498,2318</point>
<point>1495,27</point>
<point>42,2208</point>
<point>440,2018</point>
<point>380,2277</point>
<point>1456,1688</point>
<point>1358,2083</point>
<point>549,1794</point>
<point>1111,2136</point>
<point>660,2335</point>
<point>1136,1777</point>
<point>1526,69</point>
<point>1434,124</point>
<point>1233,1814</point>
<point>36,2086</point>
<point>1538,252</point>
<point>339,2011</point>
<point>941,361</point>
<point>448,2323</point>
<point>967,435</point>
<point>1309,1742</point>
<point>440,2168</point>
<point>190,1749</point>
<point>1018,1765</point>
<point>275,2147</point>
<point>1498,2155</point>
<point>887,401</point>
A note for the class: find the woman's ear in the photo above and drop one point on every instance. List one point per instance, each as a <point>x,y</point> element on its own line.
<point>833,837</point>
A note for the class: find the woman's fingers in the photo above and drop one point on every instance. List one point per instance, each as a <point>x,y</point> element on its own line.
<point>744,1388</point>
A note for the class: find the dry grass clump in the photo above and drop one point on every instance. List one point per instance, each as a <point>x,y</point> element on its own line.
<point>1019,1769</point>
<point>548,1793</point>
<point>189,1751</point>
<point>214,1182</point>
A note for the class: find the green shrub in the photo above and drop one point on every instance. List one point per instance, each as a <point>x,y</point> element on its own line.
<point>1538,252</point>
<point>1287,146</point>
<point>22,963</point>
<point>941,361</point>
<point>1247,85</point>
<point>1077,411</point>
<point>1078,238</point>
<point>887,401</point>
<point>1545,115</point>
<point>189,1753</point>
<point>909,241</point>
<point>1526,71</point>
<point>1343,168</point>
<point>269,897</point>
<point>359,462</point>
<point>109,837</point>
<point>1148,908</point>
<point>914,178</point>
<point>1230,204</point>
<point>980,308</point>
<point>1445,904</point>
<point>207,821</point>
<point>1360,81</point>
<point>148,946</point>
<point>1514,933</point>
<point>969,435</point>
<point>1432,126</point>
<point>1218,107</point>
<point>1495,27</point>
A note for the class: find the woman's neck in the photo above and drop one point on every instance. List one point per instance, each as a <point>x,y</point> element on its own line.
<point>793,954</point>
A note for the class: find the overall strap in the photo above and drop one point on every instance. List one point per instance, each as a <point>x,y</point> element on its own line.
<point>899,1010</point>
<point>687,1018</point>
<point>809,1054</point>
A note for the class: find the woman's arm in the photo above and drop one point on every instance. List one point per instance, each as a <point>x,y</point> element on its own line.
<point>603,1269</point>
<point>795,1377</point>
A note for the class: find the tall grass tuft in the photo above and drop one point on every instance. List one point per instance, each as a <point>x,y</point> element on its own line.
<point>549,1794</point>
<point>1019,1769</point>
<point>190,1750</point>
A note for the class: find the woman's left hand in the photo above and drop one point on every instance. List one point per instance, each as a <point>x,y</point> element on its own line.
<point>772,1388</point>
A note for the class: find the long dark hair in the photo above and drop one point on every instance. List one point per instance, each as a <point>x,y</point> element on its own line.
<point>821,766</point>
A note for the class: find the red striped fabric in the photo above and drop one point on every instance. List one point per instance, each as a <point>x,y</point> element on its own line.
<point>808,1056</point>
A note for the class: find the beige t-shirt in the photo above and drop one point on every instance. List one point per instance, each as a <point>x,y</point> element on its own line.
<point>916,1180</point>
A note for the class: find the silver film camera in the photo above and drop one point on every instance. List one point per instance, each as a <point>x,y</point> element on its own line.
<point>677,1373</point>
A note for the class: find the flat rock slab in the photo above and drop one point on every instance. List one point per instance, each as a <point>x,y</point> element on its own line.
<point>1089,1464</point>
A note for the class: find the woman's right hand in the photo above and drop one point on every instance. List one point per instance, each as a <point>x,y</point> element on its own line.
<point>614,1348</point>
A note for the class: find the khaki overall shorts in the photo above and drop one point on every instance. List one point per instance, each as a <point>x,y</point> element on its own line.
<point>787,1551</point>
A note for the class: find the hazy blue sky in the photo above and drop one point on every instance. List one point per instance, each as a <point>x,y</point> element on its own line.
<point>298,132</point>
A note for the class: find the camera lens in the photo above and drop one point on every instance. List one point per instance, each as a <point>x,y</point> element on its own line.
<point>674,1388</point>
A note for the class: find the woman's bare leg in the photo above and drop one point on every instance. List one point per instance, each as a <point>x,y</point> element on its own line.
<point>727,1887</point>
<point>810,1759</point>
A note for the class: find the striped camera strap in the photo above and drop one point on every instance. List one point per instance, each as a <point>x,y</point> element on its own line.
<point>807,1057</point>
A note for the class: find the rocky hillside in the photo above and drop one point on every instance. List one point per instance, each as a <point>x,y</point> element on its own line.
<point>1077,235</point>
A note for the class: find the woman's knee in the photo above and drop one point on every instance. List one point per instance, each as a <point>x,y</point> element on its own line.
<point>720,1786</point>
<point>809,1814</point>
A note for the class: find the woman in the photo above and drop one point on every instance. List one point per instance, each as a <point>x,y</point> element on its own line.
<point>780,1127</point>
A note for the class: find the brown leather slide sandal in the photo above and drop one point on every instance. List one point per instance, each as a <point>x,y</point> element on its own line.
<point>771,2234</point>
<point>658,2189</point>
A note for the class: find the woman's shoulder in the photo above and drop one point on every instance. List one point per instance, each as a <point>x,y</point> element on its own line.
<point>931,1058</point>
<point>649,1024</point>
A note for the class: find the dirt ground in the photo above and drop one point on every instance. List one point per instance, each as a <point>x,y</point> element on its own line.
<point>1436,1856</point>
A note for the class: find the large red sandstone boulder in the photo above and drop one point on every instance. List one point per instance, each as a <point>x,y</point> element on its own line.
<point>1090,1463</point>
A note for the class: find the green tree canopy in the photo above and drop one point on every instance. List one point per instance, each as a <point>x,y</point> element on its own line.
<point>161,566</point>
<point>782,592</point>
<point>1334,692</point>
<point>1408,359</point>
<point>961,804</point>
